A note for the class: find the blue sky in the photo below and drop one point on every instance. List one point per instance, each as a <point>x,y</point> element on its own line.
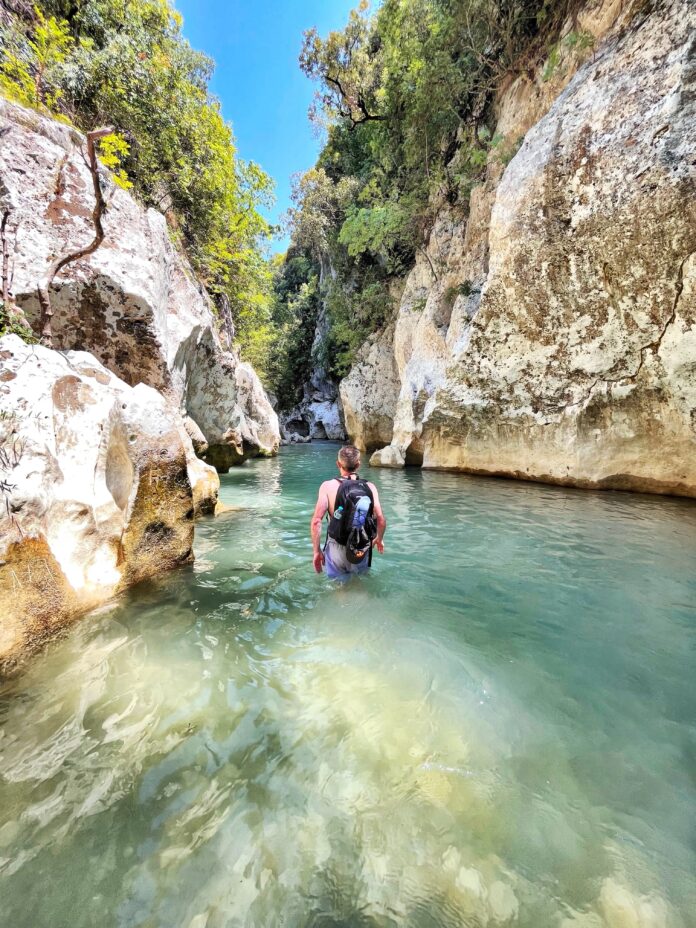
<point>255,44</point>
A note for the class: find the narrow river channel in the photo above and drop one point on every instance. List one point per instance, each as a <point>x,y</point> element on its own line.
<point>494,728</point>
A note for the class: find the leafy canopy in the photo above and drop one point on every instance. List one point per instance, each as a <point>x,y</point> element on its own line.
<point>405,102</point>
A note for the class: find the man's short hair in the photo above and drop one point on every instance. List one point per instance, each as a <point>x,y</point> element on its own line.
<point>349,458</point>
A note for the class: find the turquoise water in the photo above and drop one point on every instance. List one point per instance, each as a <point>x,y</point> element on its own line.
<point>496,727</point>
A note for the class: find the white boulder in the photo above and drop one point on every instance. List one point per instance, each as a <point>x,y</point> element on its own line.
<point>98,487</point>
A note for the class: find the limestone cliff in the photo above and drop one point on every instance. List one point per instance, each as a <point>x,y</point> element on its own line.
<point>134,303</point>
<point>98,489</point>
<point>99,480</point>
<point>550,332</point>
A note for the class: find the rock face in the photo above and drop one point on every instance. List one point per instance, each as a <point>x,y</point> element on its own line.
<point>554,336</point>
<point>370,392</point>
<point>319,415</point>
<point>98,486</point>
<point>134,303</point>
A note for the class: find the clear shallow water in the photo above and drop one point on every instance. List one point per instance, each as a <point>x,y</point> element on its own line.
<point>495,728</point>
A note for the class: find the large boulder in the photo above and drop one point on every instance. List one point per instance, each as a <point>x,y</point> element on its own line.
<point>134,303</point>
<point>370,391</point>
<point>98,487</point>
<point>558,341</point>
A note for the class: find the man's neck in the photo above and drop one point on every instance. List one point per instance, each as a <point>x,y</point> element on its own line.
<point>347,473</point>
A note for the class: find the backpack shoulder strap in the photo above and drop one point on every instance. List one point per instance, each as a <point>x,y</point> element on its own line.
<point>340,484</point>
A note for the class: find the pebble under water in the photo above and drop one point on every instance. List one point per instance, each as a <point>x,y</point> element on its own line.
<point>494,728</point>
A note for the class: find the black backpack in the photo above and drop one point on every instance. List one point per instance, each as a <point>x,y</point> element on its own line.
<point>353,523</point>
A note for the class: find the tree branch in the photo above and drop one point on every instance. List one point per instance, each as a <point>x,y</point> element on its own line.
<point>352,103</point>
<point>61,262</point>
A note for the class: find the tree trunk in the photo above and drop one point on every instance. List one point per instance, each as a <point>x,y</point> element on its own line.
<point>5,258</point>
<point>45,283</point>
<point>13,314</point>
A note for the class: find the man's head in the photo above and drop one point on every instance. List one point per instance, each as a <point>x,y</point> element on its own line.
<point>349,459</point>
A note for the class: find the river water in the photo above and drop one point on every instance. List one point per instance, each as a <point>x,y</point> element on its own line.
<point>496,727</point>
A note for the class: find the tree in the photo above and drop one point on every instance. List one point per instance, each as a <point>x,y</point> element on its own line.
<point>348,64</point>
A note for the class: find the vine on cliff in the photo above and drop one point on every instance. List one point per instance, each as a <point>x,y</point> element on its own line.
<point>44,287</point>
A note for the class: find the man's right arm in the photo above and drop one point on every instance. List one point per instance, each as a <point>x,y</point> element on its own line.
<point>320,511</point>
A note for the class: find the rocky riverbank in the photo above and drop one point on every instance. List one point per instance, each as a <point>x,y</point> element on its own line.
<point>110,441</point>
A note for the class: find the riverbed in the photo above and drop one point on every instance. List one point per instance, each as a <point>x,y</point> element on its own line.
<point>496,727</point>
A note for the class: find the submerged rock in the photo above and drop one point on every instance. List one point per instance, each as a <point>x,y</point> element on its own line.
<point>98,487</point>
<point>622,908</point>
<point>551,332</point>
<point>134,303</point>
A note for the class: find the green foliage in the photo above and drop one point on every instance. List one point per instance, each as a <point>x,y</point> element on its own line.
<point>15,79</point>
<point>463,289</point>
<point>126,64</point>
<point>575,42</point>
<point>551,62</point>
<point>294,319</point>
<point>404,99</point>
<point>353,315</point>
<point>113,149</point>
<point>348,66</point>
<point>10,324</point>
<point>376,230</point>
<point>504,148</point>
<point>31,67</point>
<point>579,41</point>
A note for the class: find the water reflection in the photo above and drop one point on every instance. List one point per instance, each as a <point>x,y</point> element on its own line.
<point>492,729</point>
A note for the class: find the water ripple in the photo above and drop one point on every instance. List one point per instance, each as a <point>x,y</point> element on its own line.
<point>495,728</point>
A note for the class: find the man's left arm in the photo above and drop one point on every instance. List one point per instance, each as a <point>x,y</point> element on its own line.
<point>320,511</point>
<point>381,521</point>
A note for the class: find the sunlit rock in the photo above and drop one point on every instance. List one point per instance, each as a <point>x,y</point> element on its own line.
<point>390,456</point>
<point>96,489</point>
<point>205,483</point>
<point>134,303</point>
<point>502,903</point>
<point>369,393</point>
<point>622,908</point>
<point>550,333</point>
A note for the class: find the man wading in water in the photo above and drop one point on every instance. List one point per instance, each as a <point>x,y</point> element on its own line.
<point>356,520</point>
